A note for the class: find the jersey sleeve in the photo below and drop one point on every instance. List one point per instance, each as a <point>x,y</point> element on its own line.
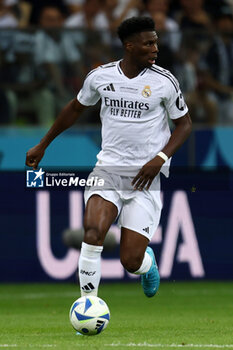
<point>174,100</point>
<point>89,95</point>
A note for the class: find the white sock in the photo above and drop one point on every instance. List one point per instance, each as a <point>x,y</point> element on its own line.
<point>146,265</point>
<point>89,269</point>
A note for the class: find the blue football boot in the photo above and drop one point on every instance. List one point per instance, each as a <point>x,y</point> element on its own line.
<point>150,280</point>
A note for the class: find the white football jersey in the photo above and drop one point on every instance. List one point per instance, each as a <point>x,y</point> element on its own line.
<point>134,114</point>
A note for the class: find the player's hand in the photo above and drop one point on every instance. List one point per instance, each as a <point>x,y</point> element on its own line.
<point>34,156</point>
<point>146,175</point>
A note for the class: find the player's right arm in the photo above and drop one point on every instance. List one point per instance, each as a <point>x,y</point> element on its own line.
<point>65,119</point>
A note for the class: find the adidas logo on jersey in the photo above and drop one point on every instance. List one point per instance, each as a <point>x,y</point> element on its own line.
<point>146,229</point>
<point>110,87</point>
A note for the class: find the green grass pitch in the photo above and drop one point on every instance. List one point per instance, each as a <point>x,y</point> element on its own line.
<point>191,315</point>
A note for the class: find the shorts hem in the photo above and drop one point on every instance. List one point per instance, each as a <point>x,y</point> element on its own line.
<point>98,193</point>
<point>135,230</point>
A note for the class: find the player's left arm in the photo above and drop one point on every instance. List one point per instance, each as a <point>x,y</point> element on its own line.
<point>146,175</point>
<point>183,128</point>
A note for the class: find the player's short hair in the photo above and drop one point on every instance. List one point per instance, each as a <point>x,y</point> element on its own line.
<point>135,25</point>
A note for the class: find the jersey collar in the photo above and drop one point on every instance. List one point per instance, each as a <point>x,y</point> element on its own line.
<point>123,75</point>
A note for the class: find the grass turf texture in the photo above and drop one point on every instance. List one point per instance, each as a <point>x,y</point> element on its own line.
<point>35,316</point>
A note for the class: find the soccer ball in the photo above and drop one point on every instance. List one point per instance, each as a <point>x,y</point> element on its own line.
<point>89,315</point>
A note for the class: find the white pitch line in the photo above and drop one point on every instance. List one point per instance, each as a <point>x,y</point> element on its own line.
<point>214,346</point>
<point>73,294</point>
<point>41,295</point>
<point>28,345</point>
<point>43,345</point>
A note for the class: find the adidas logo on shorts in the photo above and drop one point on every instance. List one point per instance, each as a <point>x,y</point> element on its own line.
<point>146,229</point>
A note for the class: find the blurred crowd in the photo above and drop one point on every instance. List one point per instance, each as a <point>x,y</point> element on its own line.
<point>48,46</point>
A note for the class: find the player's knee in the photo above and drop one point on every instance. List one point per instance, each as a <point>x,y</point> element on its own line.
<point>93,236</point>
<point>131,262</point>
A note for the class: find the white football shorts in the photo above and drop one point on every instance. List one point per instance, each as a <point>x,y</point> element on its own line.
<point>137,210</point>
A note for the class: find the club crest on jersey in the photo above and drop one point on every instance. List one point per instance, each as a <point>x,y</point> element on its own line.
<point>146,92</point>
